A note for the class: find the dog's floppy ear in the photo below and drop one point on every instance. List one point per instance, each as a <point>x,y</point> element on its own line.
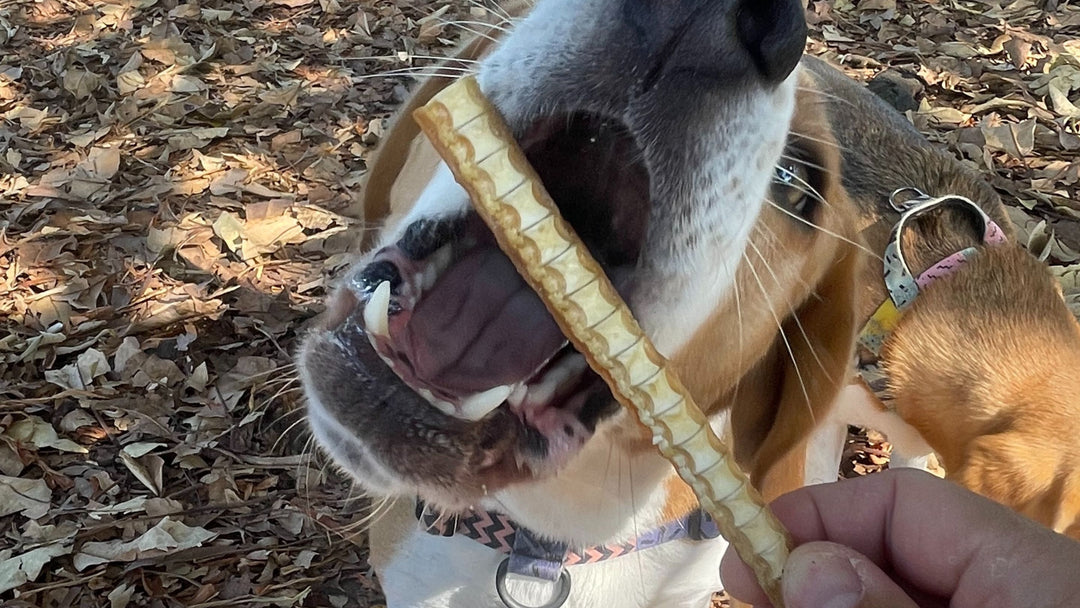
<point>389,160</point>
<point>791,389</point>
<point>403,152</point>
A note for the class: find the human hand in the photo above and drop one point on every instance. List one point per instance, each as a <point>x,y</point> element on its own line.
<point>903,539</point>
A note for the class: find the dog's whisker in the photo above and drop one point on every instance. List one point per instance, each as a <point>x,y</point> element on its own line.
<point>286,388</point>
<point>816,166</point>
<point>791,309</point>
<point>494,9</point>
<point>273,422</point>
<point>807,188</point>
<point>285,433</point>
<point>826,231</point>
<point>464,60</point>
<point>474,32</point>
<point>461,22</point>
<point>825,95</point>
<point>376,510</point>
<point>783,335</point>
<point>804,187</point>
<point>739,326</point>
<point>305,457</point>
<point>444,71</point>
<point>818,140</point>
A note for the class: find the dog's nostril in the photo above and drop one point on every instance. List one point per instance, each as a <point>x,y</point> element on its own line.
<point>773,32</point>
<point>377,272</point>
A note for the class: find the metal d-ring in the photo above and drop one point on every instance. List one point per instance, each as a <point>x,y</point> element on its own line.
<point>916,197</point>
<point>561,593</point>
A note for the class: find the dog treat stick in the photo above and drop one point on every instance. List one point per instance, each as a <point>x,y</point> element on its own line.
<point>469,133</point>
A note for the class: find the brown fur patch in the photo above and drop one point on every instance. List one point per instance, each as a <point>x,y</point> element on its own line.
<point>985,365</point>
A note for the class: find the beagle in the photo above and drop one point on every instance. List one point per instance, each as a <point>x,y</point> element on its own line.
<point>723,184</point>
<point>979,367</point>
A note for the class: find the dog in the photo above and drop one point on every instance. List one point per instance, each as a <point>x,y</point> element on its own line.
<point>709,168</point>
<point>978,370</point>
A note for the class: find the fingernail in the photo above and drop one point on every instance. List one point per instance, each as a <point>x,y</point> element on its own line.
<point>821,578</point>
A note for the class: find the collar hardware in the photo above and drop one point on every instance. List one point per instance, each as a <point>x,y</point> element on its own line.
<point>902,286</point>
<point>533,556</point>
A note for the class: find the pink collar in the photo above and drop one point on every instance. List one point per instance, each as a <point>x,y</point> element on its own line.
<point>903,286</point>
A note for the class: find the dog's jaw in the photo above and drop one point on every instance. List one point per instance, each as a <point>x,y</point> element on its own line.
<point>709,147</point>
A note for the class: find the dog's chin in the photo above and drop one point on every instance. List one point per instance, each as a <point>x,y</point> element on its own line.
<point>439,372</point>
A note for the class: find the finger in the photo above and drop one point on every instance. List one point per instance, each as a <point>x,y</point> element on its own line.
<point>935,536</point>
<point>827,575</point>
<point>739,581</point>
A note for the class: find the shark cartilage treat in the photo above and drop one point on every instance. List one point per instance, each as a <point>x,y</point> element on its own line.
<point>471,136</point>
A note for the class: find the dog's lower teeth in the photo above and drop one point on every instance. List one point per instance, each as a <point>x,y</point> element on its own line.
<point>479,405</point>
<point>566,370</point>
<point>377,312</point>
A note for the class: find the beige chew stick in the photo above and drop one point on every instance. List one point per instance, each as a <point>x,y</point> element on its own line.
<point>469,133</point>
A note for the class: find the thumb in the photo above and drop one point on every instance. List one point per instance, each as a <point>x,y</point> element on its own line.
<point>828,575</point>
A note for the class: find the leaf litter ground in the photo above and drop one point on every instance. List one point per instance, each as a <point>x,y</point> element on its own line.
<point>178,186</point>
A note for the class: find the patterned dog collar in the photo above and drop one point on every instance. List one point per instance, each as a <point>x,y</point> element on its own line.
<point>903,286</point>
<point>534,556</point>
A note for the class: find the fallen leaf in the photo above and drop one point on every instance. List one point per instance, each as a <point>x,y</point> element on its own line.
<point>167,536</point>
<point>147,469</point>
<point>20,569</point>
<point>29,497</point>
<point>1018,140</point>
<point>92,364</point>
<point>34,431</point>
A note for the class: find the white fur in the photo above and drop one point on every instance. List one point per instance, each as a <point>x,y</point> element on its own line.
<point>426,571</point>
<point>855,405</point>
<point>604,494</point>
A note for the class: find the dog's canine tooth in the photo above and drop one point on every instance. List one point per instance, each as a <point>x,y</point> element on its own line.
<point>490,165</point>
<point>377,312</point>
<point>475,407</point>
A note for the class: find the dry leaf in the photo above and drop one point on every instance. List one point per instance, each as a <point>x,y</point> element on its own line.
<point>230,230</point>
<point>147,469</point>
<point>81,83</point>
<point>33,431</point>
<point>28,497</point>
<point>19,569</point>
<point>1018,140</point>
<point>167,536</point>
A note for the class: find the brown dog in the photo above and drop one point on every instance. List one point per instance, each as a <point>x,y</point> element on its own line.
<point>736,204</point>
<point>983,365</point>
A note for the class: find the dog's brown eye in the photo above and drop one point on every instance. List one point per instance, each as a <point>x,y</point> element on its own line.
<point>793,189</point>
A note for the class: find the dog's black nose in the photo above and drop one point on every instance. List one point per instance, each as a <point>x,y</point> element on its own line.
<point>773,33</point>
<point>727,39</point>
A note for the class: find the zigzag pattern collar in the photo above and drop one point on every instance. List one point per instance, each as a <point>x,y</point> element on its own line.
<point>534,556</point>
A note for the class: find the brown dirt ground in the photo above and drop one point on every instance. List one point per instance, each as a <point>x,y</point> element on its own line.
<point>177,187</point>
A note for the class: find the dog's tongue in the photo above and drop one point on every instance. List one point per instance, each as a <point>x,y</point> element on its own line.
<point>480,326</point>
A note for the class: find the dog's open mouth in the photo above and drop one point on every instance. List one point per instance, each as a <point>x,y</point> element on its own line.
<point>446,310</point>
